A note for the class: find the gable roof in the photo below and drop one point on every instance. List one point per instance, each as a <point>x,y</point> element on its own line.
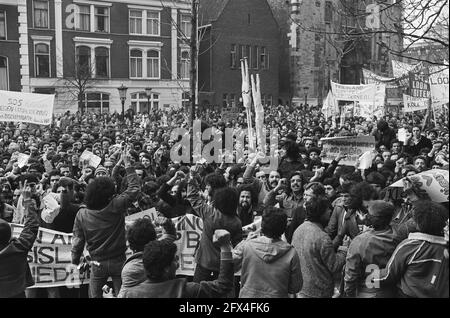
<point>210,10</point>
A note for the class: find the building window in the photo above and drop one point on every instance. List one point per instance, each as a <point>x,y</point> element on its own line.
<point>101,62</point>
<point>225,101</point>
<point>233,56</point>
<point>328,11</point>
<point>83,18</point>
<point>249,55</point>
<point>96,102</point>
<point>185,100</point>
<point>101,19</point>
<point>141,104</point>
<point>135,22</point>
<point>184,69</point>
<point>255,59</point>
<point>186,25</point>
<point>2,25</point>
<point>42,59</point>
<point>83,61</point>
<point>40,13</point>
<point>3,73</point>
<point>152,23</point>
<point>136,64</point>
<point>264,59</point>
<point>153,64</point>
<point>232,100</point>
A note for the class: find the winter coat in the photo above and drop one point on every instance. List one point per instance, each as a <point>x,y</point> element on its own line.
<point>318,260</point>
<point>419,267</point>
<point>368,249</point>
<point>270,268</point>
<point>103,231</point>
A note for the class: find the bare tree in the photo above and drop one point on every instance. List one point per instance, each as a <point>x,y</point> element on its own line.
<point>396,27</point>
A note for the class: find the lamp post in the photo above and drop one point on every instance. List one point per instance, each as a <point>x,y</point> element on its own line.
<point>305,90</point>
<point>148,92</point>
<point>123,96</point>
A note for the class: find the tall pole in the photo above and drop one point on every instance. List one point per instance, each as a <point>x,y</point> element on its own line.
<point>193,71</point>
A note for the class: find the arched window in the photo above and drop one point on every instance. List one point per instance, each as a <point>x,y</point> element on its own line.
<point>96,102</point>
<point>83,61</point>
<point>153,64</point>
<point>3,73</point>
<point>141,104</point>
<point>42,60</point>
<point>101,62</point>
<point>184,67</point>
<point>136,63</point>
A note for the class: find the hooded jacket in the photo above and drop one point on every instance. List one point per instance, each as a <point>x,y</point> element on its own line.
<point>270,268</point>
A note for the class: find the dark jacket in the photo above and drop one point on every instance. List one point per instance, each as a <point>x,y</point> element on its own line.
<point>103,231</point>
<point>287,167</point>
<point>207,254</point>
<point>180,288</point>
<point>318,260</point>
<point>15,274</point>
<point>370,248</point>
<point>419,267</point>
<point>65,219</point>
<point>414,150</point>
<point>384,135</point>
<point>342,222</point>
<point>177,206</point>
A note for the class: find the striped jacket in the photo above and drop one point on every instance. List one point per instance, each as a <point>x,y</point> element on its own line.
<point>419,266</point>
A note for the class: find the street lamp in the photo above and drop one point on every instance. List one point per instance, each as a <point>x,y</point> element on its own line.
<point>148,92</point>
<point>123,96</point>
<point>305,90</point>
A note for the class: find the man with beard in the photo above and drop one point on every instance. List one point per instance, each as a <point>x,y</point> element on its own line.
<point>245,210</point>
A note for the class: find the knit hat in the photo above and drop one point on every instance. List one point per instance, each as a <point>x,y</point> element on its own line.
<point>381,208</point>
<point>101,169</point>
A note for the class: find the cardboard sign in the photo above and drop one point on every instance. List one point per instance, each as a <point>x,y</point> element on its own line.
<point>26,107</point>
<point>94,160</point>
<point>151,214</point>
<point>434,182</point>
<point>412,104</point>
<point>352,146</point>
<point>419,85</point>
<point>22,160</point>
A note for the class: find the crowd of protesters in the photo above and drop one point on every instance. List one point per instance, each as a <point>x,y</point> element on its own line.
<point>327,229</point>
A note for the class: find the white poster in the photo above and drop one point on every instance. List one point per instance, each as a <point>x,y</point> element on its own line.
<point>400,68</point>
<point>439,86</point>
<point>26,107</point>
<point>368,109</point>
<point>357,93</point>
<point>372,78</point>
<point>412,104</point>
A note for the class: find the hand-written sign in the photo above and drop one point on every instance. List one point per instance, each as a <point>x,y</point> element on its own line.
<point>50,257</point>
<point>352,146</point>
<point>26,107</point>
<point>360,93</point>
<point>412,104</point>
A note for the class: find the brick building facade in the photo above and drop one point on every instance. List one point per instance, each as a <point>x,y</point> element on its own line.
<point>106,43</point>
<point>233,29</point>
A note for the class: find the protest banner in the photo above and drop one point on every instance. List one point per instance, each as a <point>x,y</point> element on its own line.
<point>358,93</point>
<point>434,182</point>
<point>352,146</point>
<point>152,214</point>
<point>93,160</point>
<point>400,69</point>
<point>330,107</point>
<point>26,107</point>
<point>50,257</point>
<point>412,104</point>
<point>419,85</point>
<point>372,78</point>
<point>439,85</point>
<point>368,109</point>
